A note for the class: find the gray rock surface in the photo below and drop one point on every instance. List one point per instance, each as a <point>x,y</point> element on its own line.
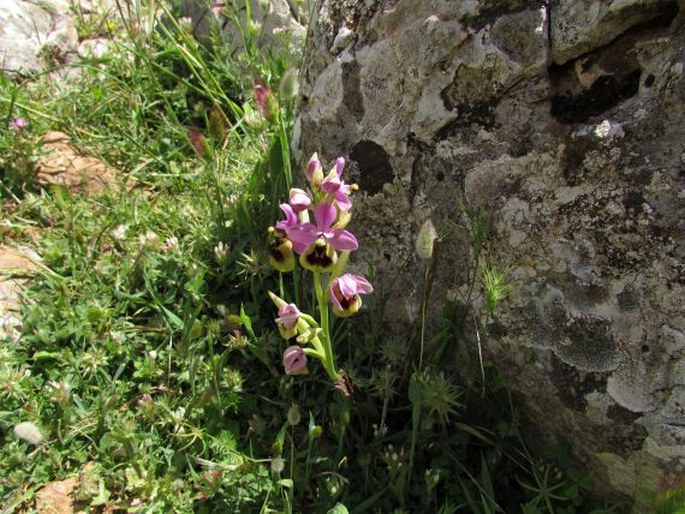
<point>38,35</point>
<point>33,33</point>
<point>566,125</point>
<point>274,24</point>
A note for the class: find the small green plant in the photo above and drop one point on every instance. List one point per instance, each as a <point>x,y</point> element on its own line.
<point>17,156</point>
<point>670,497</point>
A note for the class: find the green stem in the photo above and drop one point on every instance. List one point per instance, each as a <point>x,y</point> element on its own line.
<point>312,352</point>
<point>424,305</point>
<point>281,289</point>
<point>328,361</point>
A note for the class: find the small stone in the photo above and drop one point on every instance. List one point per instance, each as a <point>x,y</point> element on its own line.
<point>57,497</point>
<point>62,164</point>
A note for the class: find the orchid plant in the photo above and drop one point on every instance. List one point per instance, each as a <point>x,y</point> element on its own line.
<point>323,247</point>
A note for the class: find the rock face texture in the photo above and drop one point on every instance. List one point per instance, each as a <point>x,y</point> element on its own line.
<point>16,266</point>
<point>32,33</point>
<point>564,122</point>
<point>40,34</point>
<point>273,24</point>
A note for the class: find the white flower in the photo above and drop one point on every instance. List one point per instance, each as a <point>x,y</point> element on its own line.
<point>119,233</point>
<point>186,23</point>
<point>221,252</point>
<point>179,414</point>
<point>170,244</point>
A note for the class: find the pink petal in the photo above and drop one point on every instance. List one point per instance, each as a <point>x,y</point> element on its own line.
<point>290,216</point>
<point>334,299</point>
<point>343,201</point>
<point>339,166</point>
<point>313,165</point>
<point>363,285</point>
<point>299,200</point>
<point>343,240</point>
<point>347,286</point>
<point>331,183</point>
<point>302,236</point>
<point>325,215</point>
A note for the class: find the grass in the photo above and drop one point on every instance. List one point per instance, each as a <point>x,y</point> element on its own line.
<point>149,359</point>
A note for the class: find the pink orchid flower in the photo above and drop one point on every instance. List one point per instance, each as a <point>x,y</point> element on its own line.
<point>295,361</point>
<point>289,225</point>
<point>345,291</point>
<point>314,171</point>
<point>333,184</point>
<point>18,123</point>
<point>287,320</point>
<point>324,216</point>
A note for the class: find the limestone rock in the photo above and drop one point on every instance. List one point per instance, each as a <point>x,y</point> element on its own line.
<point>273,24</point>
<point>564,123</point>
<point>16,265</point>
<point>580,26</point>
<point>33,33</point>
<point>57,497</point>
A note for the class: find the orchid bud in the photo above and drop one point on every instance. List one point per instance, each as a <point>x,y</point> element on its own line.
<point>295,361</point>
<point>288,315</point>
<point>339,166</point>
<point>314,171</point>
<point>299,200</point>
<point>308,334</point>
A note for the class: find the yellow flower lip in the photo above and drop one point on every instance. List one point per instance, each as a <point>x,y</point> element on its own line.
<point>281,255</point>
<point>319,256</point>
